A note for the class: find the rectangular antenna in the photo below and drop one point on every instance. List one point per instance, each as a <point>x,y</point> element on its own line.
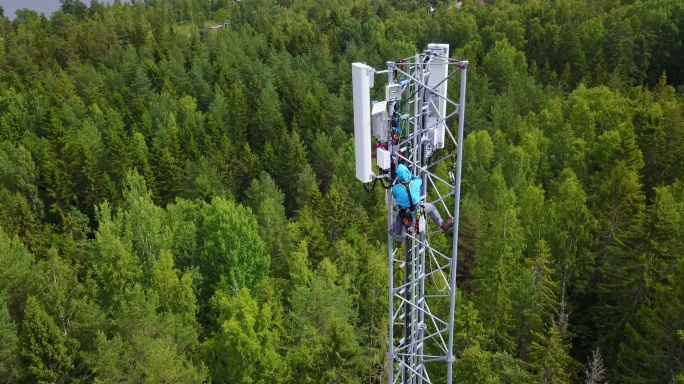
<point>439,69</point>
<point>379,122</point>
<point>361,81</point>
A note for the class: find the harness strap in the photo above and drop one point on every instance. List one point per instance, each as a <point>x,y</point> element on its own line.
<point>412,206</point>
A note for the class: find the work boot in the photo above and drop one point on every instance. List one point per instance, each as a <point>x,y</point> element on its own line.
<point>446,224</point>
<point>397,244</point>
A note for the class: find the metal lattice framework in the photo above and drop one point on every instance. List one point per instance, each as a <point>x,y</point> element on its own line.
<point>422,278</point>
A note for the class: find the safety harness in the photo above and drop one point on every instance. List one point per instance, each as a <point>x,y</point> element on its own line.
<point>406,214</point>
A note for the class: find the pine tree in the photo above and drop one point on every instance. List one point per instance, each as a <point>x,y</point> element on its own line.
<point>20,205</point>
<point>326,348</point>
<point>310,119</point>
<point>141,162</point>
<point>201,180</point>
<point>478,153</point>
<point>237,164</point>
<point>474,367</point>
<point>570,232</point>
<point>17,273</point>
<point>549,356</point>
<point>622,279</point>
<point>536,297</point>
<point>268,124</point>
<point>322,159</point>
<point>306,191</point>
<point>237,114</point>
<point>47,352</point>
<point>89,155</point>
<point>285,160</point>
<point>118,151</point>
<point>534,216</point>
<point>170,173</point>
<point>56,180</point>
<point>651,350</point>
<point>16,115</point>
<point>9,344</point>
<point>267,202</point>
<point>498,264</point>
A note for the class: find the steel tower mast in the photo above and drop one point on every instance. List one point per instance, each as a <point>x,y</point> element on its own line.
<point>410,126</point>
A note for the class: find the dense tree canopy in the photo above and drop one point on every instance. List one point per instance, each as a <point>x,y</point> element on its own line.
<point>178,203</point>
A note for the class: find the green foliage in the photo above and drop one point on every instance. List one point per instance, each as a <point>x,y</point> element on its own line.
<point>504,65</point>
<point>175,292</point>
<point>268,125</point>
<point>221,15</point>
<point>652,348</point>
<point>113,260</point>
<point>202,180</point>
<point>180,205</point>
<point>326,348</point>
<point>267,202</point>
<point>146,345</point>
<point>299,272</point>
<point>70,304</point>
<point>285,160</point>
<point>142,222</point>
<point>9,343</point>
<point>47,352</point>
<point>571,231</point>
<point>474,366</point>
<point>18,172</point>
<point>251,336</point>
<point>552,363</point>
<point>323,159</point>
<point>498,258</point>
<point>538,296</point>
<point>17,273</point>
<point>232,251</point>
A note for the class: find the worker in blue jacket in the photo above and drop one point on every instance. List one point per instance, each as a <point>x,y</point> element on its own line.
<point>411,185</point>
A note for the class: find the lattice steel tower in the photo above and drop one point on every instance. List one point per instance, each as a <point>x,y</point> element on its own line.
<point>410,127</point>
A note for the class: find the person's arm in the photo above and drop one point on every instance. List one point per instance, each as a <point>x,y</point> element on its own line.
<point>394,193</point>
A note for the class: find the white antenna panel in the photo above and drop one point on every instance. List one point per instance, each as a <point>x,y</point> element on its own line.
<point>379,121</point>
<point>361,80</point>
<point>439,69</point>
<point>384,159</point>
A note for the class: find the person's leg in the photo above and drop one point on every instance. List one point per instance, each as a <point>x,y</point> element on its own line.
<point>399,232</point>
<point>432,211</point>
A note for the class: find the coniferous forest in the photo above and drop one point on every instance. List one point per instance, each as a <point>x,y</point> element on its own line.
<point>178,204</point>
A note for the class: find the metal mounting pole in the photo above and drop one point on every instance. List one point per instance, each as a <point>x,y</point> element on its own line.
<point>390,241</point>
<point>457,195</point>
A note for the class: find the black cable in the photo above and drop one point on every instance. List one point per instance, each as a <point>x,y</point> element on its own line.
<point>372,188</point>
